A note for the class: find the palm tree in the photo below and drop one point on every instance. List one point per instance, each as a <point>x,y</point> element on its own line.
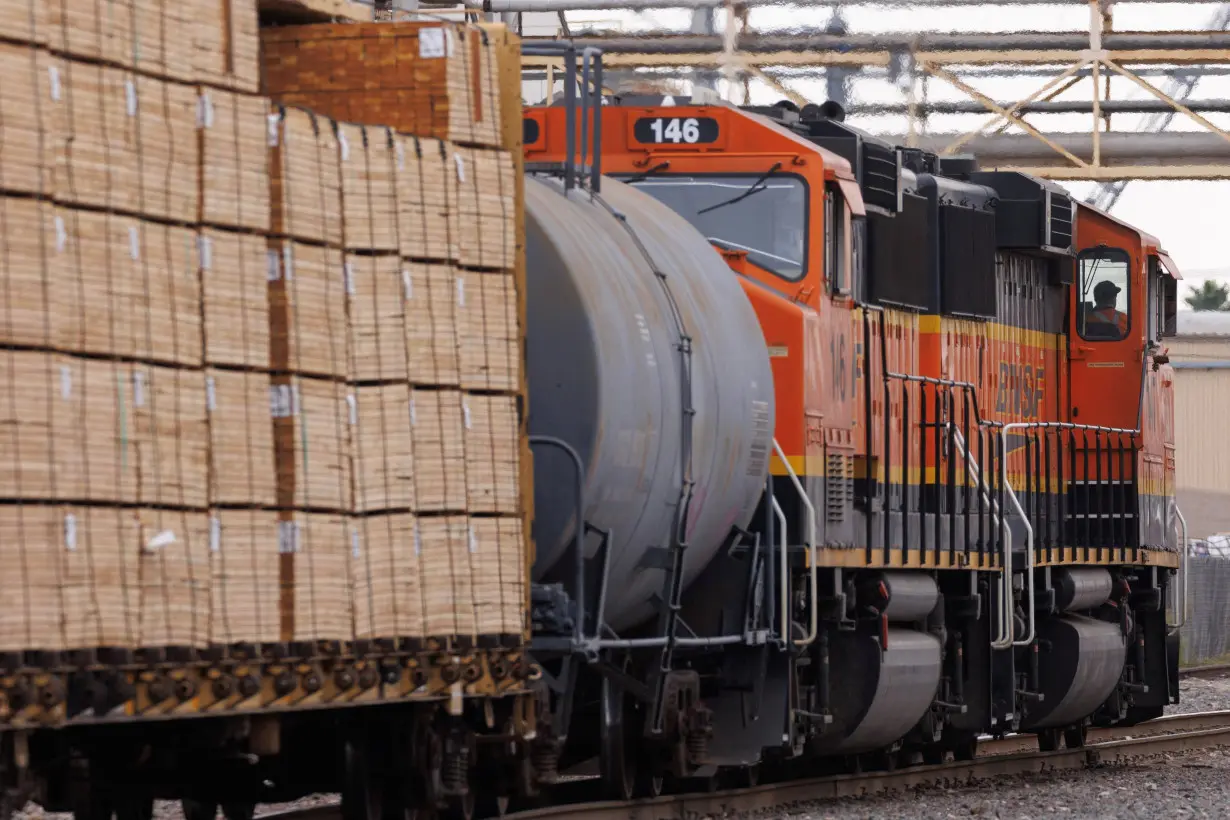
<point>1209,296</point>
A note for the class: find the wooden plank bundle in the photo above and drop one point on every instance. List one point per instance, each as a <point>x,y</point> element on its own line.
<point>431,79</point>
<point>235,297</point>
<point>103,431</point>
<point>499,569</point>
<point>242,456</point>
<point>124,141</point>
<point>104,576</point>
<point>433,337</point>
<point>311,423</point>
<point>438,421</point>
<point>226,42</point>
<point>426,190</point>
<point>493,454</point>
<point>245,575</point>
<point>444,559</point>
<point>377,288</point>
<point>483,217</point>
<point>27,111</point>
<point>173,577</point>
<point>370,158</point>
<point>314,567</point>
<point>384,468</point>
<point>32,537</point>
<point>489,335</point>
<point>388,581</point>
<point>215,42</point>
<point>234,160</point>
<point>25,21</point>
<point>96,139</point>
<point>123,286</point>
<point>29,230</point>
<point>307,301</point>
<point>170,435</point>
<point>306,194</point>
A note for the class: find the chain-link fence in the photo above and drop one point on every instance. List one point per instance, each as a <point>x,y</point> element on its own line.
<point>1206,636</point>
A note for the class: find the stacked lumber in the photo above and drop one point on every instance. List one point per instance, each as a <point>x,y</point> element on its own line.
<point>260,364</point>
<point>215,42</point>
<point>315,600</point>
<point>242,466</point>
<point>244,573</point>
<point>234,160</point>
<point>429,79</point>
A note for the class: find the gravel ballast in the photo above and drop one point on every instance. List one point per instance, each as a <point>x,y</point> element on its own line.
<point>1178,787</point>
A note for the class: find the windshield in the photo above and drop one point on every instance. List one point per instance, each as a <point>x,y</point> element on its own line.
<point>770,223</point>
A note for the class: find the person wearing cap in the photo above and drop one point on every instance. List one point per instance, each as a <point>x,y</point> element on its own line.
<point>1105,313</point>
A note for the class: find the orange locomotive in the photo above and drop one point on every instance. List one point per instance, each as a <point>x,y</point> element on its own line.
<point>971,510</point>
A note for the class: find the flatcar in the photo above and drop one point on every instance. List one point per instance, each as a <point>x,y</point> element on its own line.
<point>845,453</point>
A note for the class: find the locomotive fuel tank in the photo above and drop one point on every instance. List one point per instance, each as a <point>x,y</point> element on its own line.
<point>645,355</point>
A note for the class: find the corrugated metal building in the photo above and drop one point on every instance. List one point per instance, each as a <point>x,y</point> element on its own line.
<point>1200,354</point>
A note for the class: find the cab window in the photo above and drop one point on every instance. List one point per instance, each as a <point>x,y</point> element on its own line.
<point>1104,300</point>
<point>836,242</point>
<point>1157,301</point>
<point>763,215</point>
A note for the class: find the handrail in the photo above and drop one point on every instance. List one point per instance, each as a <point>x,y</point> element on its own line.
<point>1181,613</point>
<point>783,547</point>
<point>1004,637</point>
<point>814,628</point>
<point>1030,582</point>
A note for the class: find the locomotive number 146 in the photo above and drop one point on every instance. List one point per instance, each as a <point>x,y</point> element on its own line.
<point>675,130</point>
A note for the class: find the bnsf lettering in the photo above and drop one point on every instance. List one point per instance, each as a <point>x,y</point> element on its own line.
<point>1021,389</point>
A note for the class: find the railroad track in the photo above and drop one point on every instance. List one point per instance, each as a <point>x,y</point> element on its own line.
<point>997,757</point>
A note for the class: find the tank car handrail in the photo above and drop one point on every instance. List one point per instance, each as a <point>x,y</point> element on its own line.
<point>1181,586</point>
<point>578,629</point>
<point>783,547</point>
<point>814,628</point>
<point>1004,636</point>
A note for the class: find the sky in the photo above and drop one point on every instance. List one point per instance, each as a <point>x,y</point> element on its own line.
<point>1189,217</point>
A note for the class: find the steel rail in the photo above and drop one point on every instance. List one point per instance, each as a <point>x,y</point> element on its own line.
<point>997,758</point>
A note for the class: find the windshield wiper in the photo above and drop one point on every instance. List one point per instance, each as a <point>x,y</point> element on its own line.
<point>661,166</point>
<point>755,187</point>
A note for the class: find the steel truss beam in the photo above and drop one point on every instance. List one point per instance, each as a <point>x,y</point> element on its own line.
<point>905,58</point>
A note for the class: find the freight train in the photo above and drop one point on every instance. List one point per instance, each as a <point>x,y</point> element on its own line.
<point>845,453</point>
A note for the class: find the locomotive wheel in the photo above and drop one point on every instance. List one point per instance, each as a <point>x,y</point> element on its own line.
<point>1048,740</point>
<point>492,806</point>
<point>1074,736</point>
<point>461,807</point>
<point>199,810</point>
<point>134,808</point>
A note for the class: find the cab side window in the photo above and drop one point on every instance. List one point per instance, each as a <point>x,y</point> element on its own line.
<point>1104,300</point>
<point>837,232</point>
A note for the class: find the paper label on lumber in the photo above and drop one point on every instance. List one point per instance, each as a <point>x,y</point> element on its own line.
<point>161,540</point>
<point>435,43</point>
<point>288,537</point>
<point>205,111</point>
